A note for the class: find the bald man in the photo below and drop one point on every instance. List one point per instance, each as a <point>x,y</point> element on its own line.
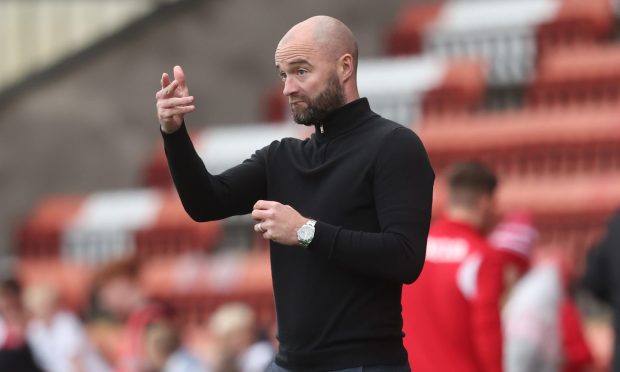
<point>347,211</point>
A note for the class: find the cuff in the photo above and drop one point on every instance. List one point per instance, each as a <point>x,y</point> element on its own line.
<point>324,241</point>
<point>178,139</point>
<point>176,135</point>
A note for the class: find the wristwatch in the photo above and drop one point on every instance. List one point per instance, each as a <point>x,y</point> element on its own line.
<point>305,234</point>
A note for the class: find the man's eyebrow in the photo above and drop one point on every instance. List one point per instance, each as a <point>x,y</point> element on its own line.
<point>296,61</point>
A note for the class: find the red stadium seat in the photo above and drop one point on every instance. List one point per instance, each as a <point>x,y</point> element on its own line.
<point>509,34</point>
<point>197,286</point>
<point>406,34</point>
<point>104,226</point>
<point>581,75</point>
<point>39,236</point>
<point>576,23</point>
<point>529,143</point>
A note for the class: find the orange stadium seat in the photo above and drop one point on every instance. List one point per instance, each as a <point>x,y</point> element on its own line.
<point>406,36</point>
<point>194,285</point>
<point>529,143</point>
<point>509,34</point>
<point>576,23</point>
<point>198,285</point>
<point>103,226</point>
<point>462,89</point>
<point>39,235</point>
<point>586,74</point>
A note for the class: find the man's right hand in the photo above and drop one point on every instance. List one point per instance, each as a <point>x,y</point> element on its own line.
<point>173,101</point>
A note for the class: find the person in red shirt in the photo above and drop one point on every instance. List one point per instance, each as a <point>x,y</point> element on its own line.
<point>451,314</point>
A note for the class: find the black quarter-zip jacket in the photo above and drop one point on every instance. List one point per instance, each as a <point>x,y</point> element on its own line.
<point>369,183</point>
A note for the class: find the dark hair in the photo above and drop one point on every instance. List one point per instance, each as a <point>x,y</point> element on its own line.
<point>128,267</point>
<point>10,287</point>
<point>468,181</point>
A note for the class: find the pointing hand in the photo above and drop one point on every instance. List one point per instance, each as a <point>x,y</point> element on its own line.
<point>173,101</point>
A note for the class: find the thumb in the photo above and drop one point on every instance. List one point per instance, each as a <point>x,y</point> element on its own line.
<point>179,76</point>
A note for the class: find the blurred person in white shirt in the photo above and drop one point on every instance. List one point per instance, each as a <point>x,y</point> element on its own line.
<point>542,325</point>
<point>236,345</point>
<point>58,340</point>
<point>164,350</point>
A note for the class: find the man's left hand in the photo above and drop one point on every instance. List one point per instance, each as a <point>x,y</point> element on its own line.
<point>277,222</point>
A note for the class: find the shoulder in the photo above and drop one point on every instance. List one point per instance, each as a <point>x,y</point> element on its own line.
<point>283,145</point>
<point>400,144</point>
<point>393,134</point>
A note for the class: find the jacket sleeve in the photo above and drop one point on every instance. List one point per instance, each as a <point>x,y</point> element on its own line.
<point>403,193</point>
<point>207,197</point>
<point>597,278</point>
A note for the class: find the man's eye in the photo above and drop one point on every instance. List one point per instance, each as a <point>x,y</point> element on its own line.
<point>301,72</point>
<point>282,76</point>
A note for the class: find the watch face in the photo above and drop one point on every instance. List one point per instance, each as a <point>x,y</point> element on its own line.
<point>305,233</point>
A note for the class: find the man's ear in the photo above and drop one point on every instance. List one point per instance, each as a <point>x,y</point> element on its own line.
<point>345,67</point>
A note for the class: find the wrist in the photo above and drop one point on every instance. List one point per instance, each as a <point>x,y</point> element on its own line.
<point>168,130</point>
<point>305,234</point>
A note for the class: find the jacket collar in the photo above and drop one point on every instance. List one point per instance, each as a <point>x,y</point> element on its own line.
<point>343,119</point>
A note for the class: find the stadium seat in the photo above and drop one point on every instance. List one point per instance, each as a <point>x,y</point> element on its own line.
<point>102,226</point>
<point>509,34</point>
<point>580,75</point>
<point>529,143</point>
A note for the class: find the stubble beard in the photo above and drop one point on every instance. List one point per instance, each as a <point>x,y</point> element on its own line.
<point>331,98</point>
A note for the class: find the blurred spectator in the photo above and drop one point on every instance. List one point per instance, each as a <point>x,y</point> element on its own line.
<point>451,314</point>
<point>15,353</point>
<point>602,277</point>
<point>118,293</point>
<point>164,351</point>
<point>236,346</point>
<point>542,325</point>
<point>514,239</point>
<point>59,342</point>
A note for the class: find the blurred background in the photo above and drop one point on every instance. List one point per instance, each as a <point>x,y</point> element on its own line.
<point>90,225</point>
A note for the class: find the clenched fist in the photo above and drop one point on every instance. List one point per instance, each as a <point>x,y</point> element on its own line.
<point>277,222</point>
<point>173,101</point>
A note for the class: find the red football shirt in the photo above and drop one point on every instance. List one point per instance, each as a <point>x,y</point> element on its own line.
<point>451,313</point>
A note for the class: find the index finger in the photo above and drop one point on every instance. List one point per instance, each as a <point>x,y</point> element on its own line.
<point>260,214</point>
<point>168,90</point>
<point>264,204</point>
<point>165,80</point>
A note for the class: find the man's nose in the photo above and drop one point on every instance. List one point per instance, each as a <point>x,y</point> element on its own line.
<point>290,87</point>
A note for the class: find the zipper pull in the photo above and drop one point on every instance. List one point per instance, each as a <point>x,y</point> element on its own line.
<point>322,130</point>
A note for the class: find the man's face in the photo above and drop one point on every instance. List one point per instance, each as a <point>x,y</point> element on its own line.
<point>311,83</point>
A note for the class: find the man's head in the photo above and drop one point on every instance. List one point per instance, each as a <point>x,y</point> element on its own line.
<point>472,194</point>
<point>117,289</point>
<point>161,339</point>
<point>10,296</point>
<point>317,61</point>
<point>233,327</point>
<point>42,301</point>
